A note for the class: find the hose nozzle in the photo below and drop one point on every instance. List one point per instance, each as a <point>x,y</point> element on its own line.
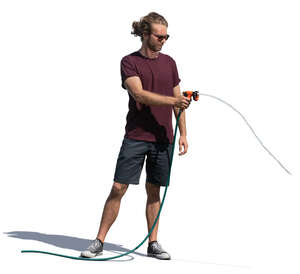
<point>192,94</point>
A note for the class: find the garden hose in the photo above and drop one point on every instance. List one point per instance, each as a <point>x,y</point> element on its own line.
<point>195,96</point>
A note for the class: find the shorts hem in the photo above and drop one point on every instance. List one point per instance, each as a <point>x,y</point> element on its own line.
<point>125,183</point>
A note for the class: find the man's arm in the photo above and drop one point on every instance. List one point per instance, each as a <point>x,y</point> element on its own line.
<point>181,124</point>
<point>134,86</point>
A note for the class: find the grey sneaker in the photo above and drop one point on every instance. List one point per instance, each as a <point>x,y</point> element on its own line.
<point>155,250</point>
<point>95,249</point>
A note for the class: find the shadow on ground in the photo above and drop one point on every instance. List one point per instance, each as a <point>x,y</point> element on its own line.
<point>79,244</point>
<point>64,241</point>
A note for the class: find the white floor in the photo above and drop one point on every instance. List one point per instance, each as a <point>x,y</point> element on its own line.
<point>235,216</point>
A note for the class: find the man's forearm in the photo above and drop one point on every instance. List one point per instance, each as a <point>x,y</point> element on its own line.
<point>154,99</point>
<point>181,123</point>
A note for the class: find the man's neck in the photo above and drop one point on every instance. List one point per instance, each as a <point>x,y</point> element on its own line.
<point>149,53</point>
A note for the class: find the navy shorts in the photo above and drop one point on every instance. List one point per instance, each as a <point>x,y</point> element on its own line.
<point>131,161</point>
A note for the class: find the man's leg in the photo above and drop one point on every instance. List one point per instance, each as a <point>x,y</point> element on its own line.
<point>153,204</point>
<point>152,208</point>
<point>111,209</point>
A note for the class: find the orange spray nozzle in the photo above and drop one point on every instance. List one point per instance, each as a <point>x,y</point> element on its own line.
<point>191,94</point>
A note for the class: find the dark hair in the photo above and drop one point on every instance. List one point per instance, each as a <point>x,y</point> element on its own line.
<point>144,25</point>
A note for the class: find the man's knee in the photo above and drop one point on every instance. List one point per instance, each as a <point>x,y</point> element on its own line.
<point>153,191</point>
<point>118,190</point>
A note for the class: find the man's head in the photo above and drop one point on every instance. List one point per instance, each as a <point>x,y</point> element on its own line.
<point>152,29</point>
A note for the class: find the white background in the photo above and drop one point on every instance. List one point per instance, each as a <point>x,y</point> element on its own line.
<point>230,207</point>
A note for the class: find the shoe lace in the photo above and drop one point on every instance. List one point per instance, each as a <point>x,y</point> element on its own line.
<point>94,245</point>
<point>157,247</point>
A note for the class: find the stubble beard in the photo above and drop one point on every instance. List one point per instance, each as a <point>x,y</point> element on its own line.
<point>153,47</point>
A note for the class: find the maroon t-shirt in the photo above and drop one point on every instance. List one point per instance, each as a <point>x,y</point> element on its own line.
<point>159,75</point>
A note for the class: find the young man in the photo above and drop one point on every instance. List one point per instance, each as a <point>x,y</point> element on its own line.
<point>152,82</point>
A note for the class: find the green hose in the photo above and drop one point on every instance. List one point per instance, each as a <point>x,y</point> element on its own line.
<point>166,188</point>
<point>131,251</point>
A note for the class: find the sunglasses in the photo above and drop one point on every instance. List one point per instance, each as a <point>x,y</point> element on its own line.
<point>161,37</point>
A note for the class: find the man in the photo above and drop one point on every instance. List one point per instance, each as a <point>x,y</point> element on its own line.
<point>152,82</point>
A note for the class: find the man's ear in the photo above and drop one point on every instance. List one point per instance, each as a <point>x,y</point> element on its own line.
<point>145,35</point>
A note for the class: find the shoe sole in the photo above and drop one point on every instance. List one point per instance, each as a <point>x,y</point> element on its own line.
<point>158,256</point>
<point>90,255</point>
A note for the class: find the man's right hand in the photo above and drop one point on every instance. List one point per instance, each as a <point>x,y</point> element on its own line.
<point>182,102</point>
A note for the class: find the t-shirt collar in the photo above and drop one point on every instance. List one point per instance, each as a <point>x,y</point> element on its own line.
<point>148,57</point>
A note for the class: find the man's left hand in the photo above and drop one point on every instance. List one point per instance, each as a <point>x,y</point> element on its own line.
<point>183,145</point>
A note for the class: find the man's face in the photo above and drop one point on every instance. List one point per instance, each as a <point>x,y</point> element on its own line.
<point>156,38</point>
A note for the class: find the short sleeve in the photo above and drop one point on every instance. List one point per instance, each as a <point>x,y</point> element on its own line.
<point>176,79</point>
<point>128,69</point>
